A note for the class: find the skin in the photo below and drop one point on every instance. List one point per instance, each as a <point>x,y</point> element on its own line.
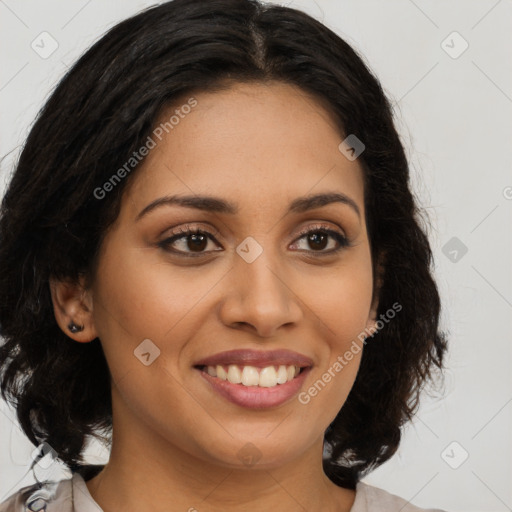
<point>176,443</point>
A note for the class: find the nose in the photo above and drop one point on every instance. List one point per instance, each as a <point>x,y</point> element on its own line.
<point>259,298</point>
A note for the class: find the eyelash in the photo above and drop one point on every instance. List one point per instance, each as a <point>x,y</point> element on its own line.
<point>187,231</point>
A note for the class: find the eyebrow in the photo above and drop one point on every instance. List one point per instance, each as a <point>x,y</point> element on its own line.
<point>218,205</point>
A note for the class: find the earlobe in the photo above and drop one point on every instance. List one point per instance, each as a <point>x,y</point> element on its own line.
<point>72,307</point>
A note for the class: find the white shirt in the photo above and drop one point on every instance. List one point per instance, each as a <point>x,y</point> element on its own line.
<point>72,495</point>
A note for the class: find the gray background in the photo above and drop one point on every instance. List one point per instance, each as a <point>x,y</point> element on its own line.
<point>453,111</point>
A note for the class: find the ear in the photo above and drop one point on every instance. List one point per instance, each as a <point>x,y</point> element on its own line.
<point>371,324</point>
<point>73,304</point>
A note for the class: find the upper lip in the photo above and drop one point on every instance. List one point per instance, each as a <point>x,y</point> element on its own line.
<point>256,358</point>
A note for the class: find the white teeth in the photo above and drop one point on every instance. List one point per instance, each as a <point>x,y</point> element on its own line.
<point>282,375</point>
<point>250,376</point>
<point>267,377</point>
<point>221,373</point>
<point>234,374</point>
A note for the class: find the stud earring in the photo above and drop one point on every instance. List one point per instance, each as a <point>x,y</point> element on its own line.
<point>75,328</point>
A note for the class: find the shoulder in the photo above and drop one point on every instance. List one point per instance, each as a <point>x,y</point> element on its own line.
<point>62,496</point>
<point>72,495</point>
<point>42,496</point>
<point>373,499</point>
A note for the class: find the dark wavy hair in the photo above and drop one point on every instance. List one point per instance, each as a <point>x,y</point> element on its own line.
<point>52,225</point>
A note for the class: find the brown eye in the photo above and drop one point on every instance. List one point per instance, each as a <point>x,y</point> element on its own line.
<point>188,242</point>
<point>196,242</point>
<point>318,239</point>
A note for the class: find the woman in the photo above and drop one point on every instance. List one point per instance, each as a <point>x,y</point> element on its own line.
<point>211,258</point>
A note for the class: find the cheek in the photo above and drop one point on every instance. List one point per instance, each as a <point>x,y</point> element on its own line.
<point>341,299</point>
<point>342,305</point>
<point>344,312</point>
<point>137,299</point>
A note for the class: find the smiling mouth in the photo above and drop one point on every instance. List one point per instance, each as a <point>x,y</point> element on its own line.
<point>267,377</point>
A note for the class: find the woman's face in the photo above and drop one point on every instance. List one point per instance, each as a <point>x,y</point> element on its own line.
<point>251,294</point>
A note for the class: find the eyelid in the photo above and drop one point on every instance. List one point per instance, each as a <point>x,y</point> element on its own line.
<point>191,229</point>
<point>320,227</point>
<point>186,228</point>
<point>183,231</point>
<point>213,231</point>
<point>343,241</point>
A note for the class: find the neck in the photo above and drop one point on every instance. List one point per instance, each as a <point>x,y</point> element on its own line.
<point>146,473</point>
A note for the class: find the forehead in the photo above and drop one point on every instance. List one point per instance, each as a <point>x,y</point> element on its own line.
<point>253,143</point>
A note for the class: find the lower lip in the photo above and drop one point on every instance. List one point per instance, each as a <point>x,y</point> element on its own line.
<point>255,397</point>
